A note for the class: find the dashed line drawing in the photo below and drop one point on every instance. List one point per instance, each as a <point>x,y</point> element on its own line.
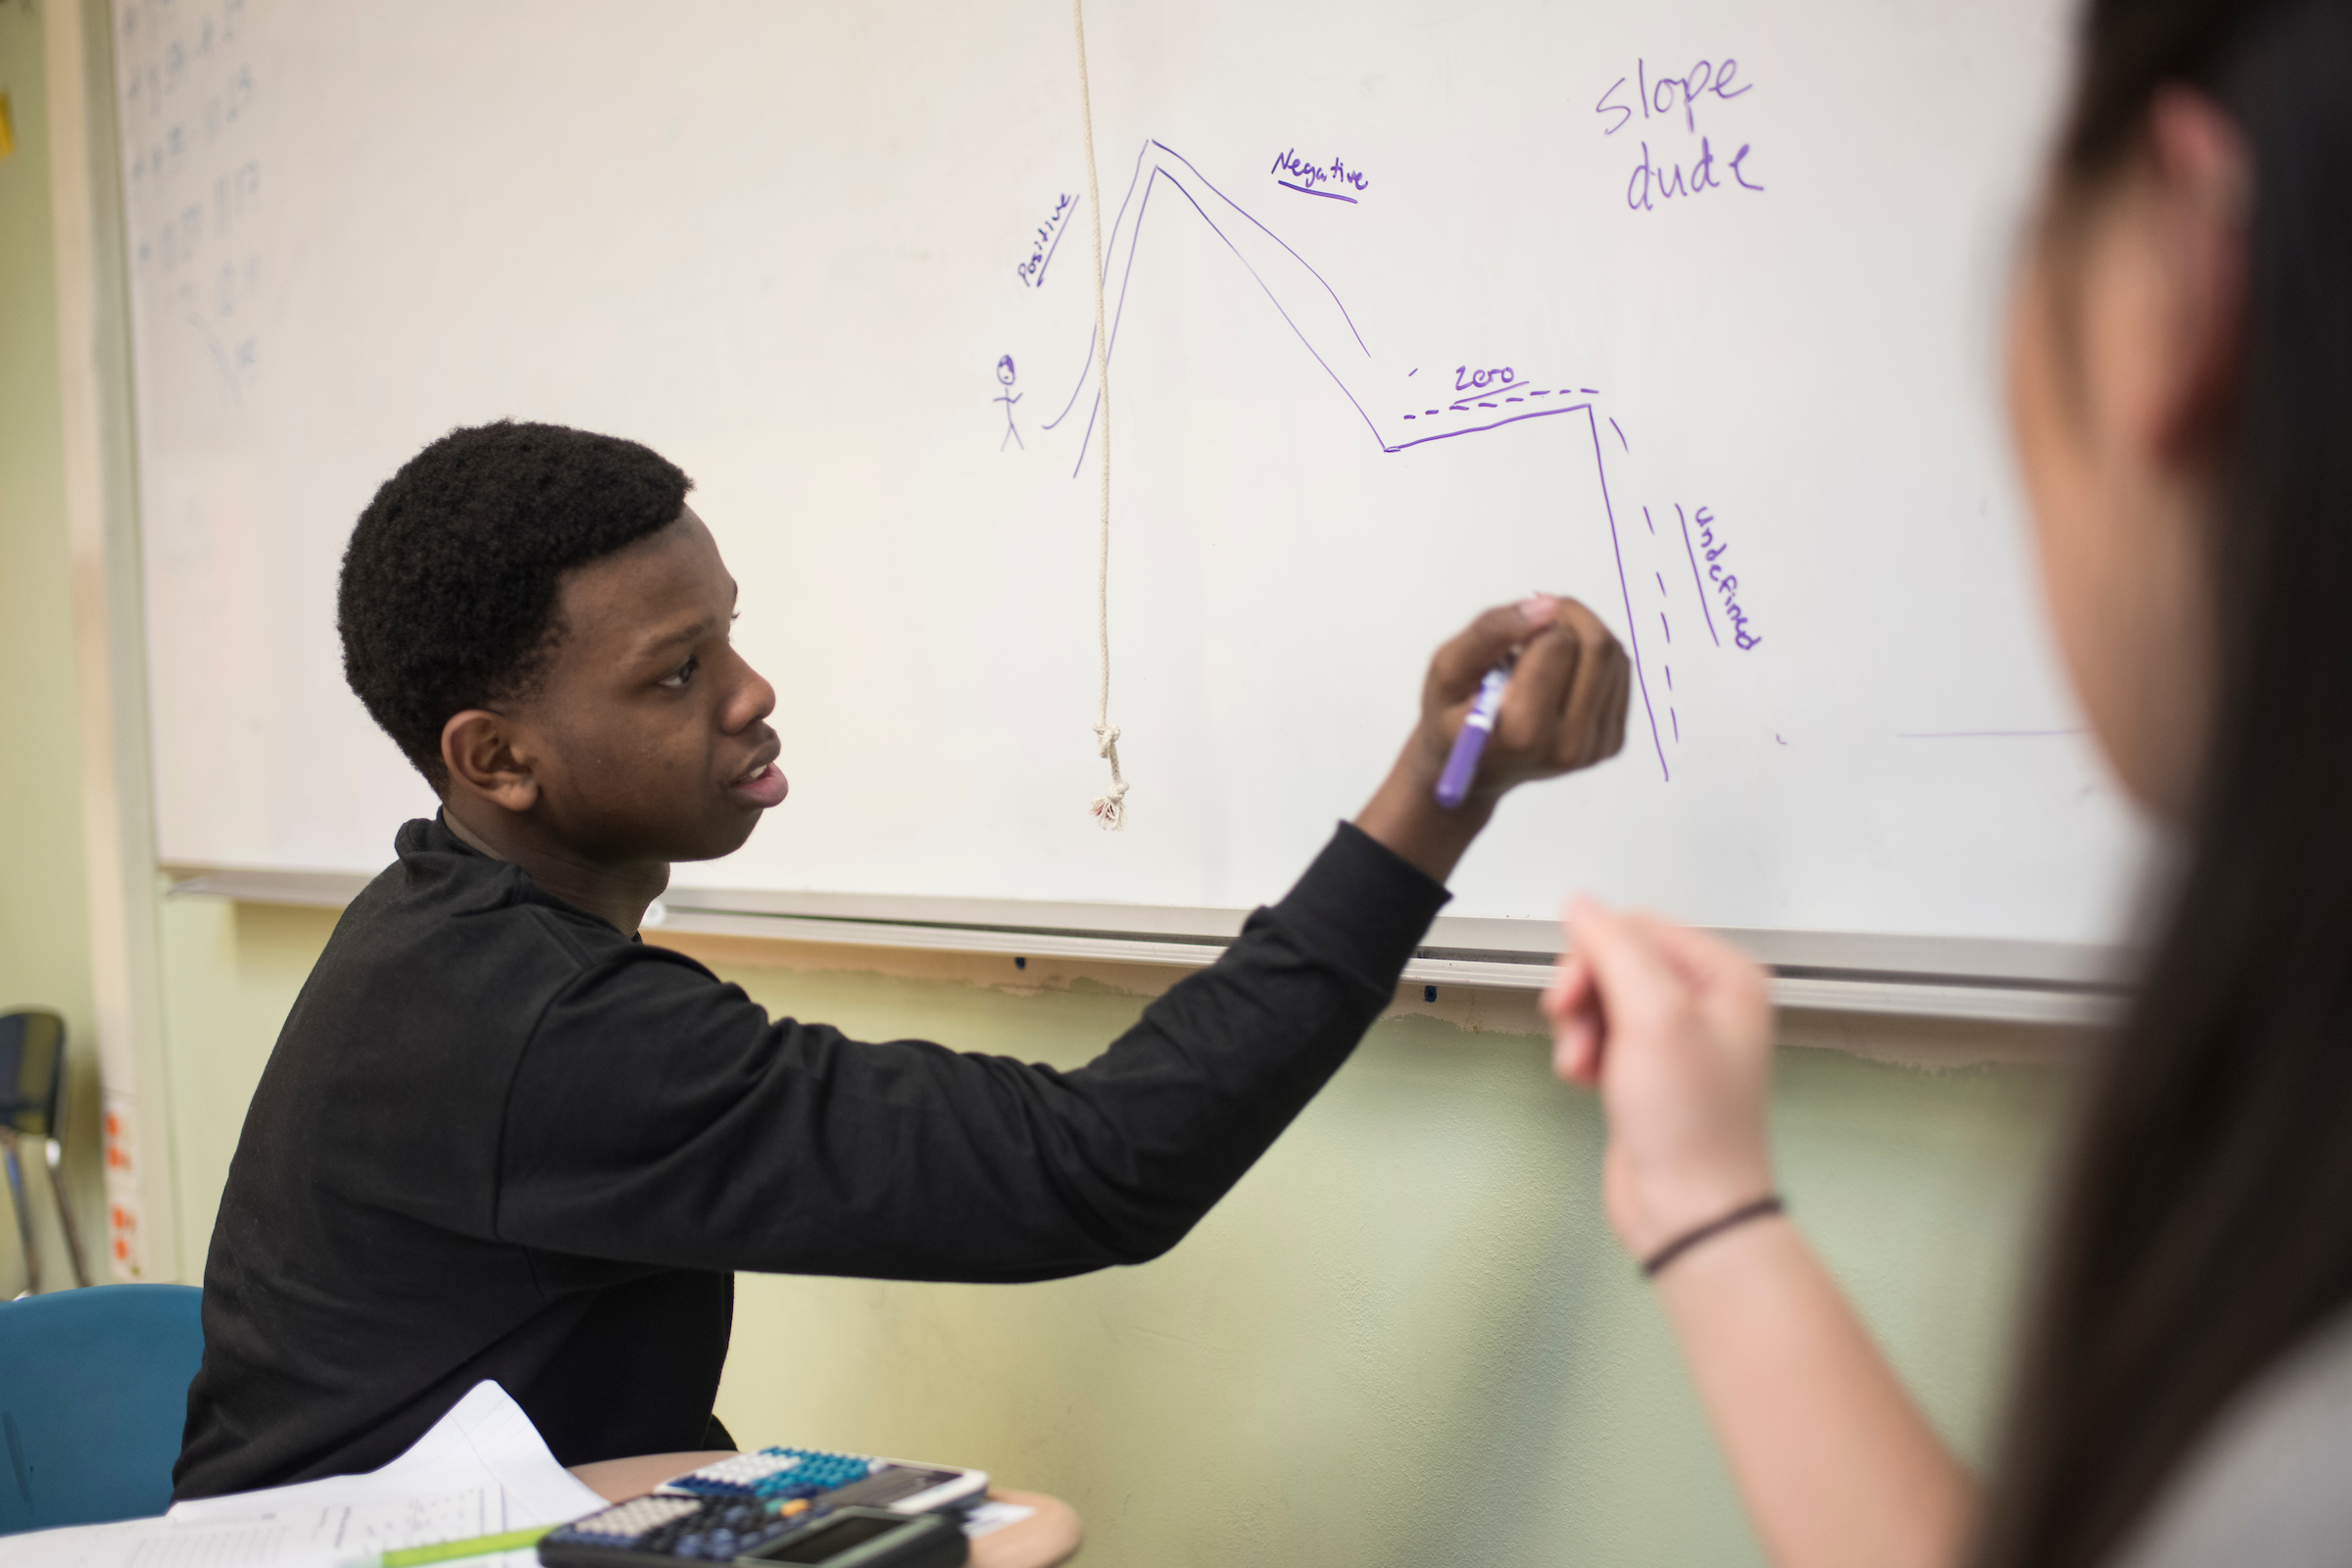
<point>1464,404</point>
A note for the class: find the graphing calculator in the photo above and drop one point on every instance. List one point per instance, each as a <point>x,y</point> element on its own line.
<point>782,1505</point>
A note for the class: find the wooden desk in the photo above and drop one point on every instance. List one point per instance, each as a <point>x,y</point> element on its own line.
<point>1049,1536</point>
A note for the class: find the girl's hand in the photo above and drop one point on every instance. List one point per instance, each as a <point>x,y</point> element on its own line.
<point>1676,1030</point>
<point>1838,1467</point>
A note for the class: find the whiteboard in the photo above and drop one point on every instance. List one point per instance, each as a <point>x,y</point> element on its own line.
<point>1688,309</point>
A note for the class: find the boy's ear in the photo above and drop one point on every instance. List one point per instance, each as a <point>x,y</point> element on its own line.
<point>476,746</point>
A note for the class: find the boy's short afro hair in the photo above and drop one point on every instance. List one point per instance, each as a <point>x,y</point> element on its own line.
<point>448,599</point>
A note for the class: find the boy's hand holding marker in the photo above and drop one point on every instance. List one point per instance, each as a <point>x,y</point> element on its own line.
<point>1561,708</point>
<point>1671,1025</point>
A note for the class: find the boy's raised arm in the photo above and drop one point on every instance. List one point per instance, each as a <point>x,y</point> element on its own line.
<point>659,1119</point>
<point>656,1119</point>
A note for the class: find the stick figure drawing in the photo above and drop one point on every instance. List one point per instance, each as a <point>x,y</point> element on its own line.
<point>1008,397</point>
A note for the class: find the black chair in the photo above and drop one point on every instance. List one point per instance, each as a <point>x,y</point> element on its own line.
<point>32,1092</point>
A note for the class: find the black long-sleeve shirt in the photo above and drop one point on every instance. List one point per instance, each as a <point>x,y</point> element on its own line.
<point>499,1139</point>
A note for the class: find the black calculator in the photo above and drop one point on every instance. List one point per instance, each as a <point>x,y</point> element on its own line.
<point>782,1505</point>
<point>667,1531</point>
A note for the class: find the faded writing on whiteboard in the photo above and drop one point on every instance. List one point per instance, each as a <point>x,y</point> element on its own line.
<point>193,200</point>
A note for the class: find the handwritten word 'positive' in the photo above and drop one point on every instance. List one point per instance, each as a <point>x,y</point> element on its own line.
<point>1661,177</point>
<point>1305,179</point>
<point>1709,559</point>
<point>1048,239</point>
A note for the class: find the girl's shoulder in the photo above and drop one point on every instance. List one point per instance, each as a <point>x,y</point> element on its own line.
<point>2269,1484</point>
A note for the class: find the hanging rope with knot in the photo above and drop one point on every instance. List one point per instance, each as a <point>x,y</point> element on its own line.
<point>1110,806</point>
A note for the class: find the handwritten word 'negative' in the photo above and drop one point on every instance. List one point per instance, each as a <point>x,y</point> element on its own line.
<point>1307,177</point>
<point>1657,178</point>
<point>1049,240</point>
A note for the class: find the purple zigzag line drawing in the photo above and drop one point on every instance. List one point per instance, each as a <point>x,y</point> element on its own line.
<point>1126,273</point>
<point>1143,213</point>
<point>1114,245</point>
<point>1120,219</point>
<point>1591,419</point>
<point>1277,239</point>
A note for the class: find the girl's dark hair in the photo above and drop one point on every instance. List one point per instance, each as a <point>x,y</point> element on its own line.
<point>2206,1224</point>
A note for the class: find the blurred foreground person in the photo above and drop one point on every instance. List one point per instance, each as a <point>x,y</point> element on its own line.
<point>2181,394</point>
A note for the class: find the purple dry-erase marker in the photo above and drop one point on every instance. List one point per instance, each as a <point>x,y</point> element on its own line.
<point>1461,764</point>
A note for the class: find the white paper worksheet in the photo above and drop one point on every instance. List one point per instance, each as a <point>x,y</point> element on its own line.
<point>482,1469</point>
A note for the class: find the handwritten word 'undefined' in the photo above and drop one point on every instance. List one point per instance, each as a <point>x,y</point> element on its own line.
<point>1711,549</point>
<point>1307,178</point>
<point>1032,272</point>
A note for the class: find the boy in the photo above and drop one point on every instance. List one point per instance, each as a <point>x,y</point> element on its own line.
<point>501,1138</point>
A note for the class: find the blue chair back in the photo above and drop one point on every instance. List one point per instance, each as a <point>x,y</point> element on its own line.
<point>93,1396</point>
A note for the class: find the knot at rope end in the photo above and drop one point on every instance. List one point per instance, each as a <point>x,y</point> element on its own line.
<point>1110,806</point>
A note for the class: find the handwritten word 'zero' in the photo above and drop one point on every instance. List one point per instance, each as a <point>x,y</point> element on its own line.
<point>1465,379</point>
<point>1305,178</point>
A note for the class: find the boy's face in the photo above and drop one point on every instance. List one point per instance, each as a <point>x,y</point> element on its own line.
<point>646,740</point>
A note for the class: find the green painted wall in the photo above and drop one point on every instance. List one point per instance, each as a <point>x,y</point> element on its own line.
<point>1412,1306</point>
<point>44,923</point>
<point>1406,1335</point>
